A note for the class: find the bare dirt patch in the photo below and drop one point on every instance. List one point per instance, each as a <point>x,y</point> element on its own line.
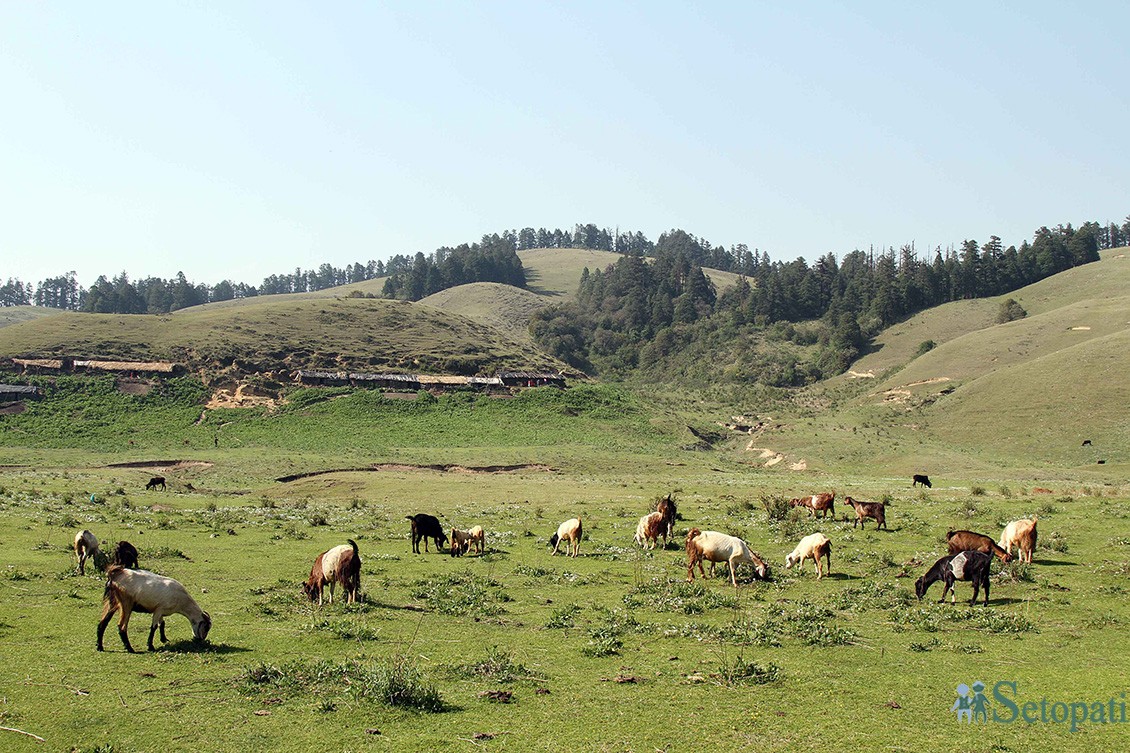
<point>440,468</point>
<point>130,387</point>
<point>163,465</point>
<point>861,374</point>
<point>772,458</point>
<point>11,409</point>
<point>244,396</point>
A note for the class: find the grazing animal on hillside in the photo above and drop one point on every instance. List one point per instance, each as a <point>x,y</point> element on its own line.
<point>1022,534</point>
<point>670,511</point>
<point>823,503</point>
<point>342,564</point>
<point>921,478</point>
<point>426,527</point>
<point>125,555</point>
<point>877,511</point>
<point>461,541</point>
<point>86,546</point>
<point>650,528</point>
<point>155,482</point>
<point>968,541</point>
<point>1087,443</point>
<point>570,531</point>
<point>143,591</point>
<point>814,546</point>
<point>970,566</point>
<point>478,539</point>
<point>714,547</point>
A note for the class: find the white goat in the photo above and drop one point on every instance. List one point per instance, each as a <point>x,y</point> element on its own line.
<point>713,547</point>
<point>1021,534</point>
<point>569,531</point>
<point>814,545</point>
<point>86,546</point>
<point>144,591</point>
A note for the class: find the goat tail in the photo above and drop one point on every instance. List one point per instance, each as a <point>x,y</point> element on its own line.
<point>110,594</point>
<point>353,544</point>
<point>692,548</point>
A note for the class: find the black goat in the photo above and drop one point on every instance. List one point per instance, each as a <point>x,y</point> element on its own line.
<point>970,566</point>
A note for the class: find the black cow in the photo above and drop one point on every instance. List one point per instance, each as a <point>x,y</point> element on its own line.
<point>155,482</point>
<point>426,527</point>
<point>921,478</point>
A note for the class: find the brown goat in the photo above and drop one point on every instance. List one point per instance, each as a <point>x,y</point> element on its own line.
<point>342,564</point>
<point>968,541</point>
<point>650,528</point>
<point>823,503</point>
<point>877,511</point>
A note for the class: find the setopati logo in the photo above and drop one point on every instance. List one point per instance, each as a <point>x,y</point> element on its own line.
<point>1009,706</point>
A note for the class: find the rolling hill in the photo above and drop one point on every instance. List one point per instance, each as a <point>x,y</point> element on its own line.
<point>990,395</point>
<point>283,333</point>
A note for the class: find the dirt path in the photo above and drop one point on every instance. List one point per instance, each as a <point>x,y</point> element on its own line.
<point>441,468</point>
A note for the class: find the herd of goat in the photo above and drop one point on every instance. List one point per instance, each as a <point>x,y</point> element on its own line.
<point>130,589</point>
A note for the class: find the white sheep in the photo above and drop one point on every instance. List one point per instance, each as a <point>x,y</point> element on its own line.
<point>713,547</point>
<point>814,545</point>
<point>86,546</point>
<point>141,590</point>
<point>569,531</point>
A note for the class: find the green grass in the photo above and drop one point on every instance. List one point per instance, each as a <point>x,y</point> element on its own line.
<point>601,644</point>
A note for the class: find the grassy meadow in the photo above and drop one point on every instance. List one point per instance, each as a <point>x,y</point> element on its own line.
<point>515,649</point>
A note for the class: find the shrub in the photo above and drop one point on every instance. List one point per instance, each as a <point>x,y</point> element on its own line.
<point>776,507</point>
<point>1010,311</point>
<point>925,347</point>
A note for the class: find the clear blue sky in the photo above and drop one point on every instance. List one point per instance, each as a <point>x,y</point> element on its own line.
<point>236,140</point>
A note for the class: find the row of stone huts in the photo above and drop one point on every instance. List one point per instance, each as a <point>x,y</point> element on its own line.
<point>503,381</point>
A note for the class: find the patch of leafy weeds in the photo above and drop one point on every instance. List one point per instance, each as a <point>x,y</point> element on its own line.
<point>535,573</point>
<point>606,638</point>
<point>684,598</point>
<point>871,595</point>
<point>564,617</point>
<point>738,671</point>
<point>497,666</point>
<point>461,594</point>
<point>345,629</point>
<point>394,682</point>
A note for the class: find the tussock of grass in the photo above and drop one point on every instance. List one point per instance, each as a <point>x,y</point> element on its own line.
<point>738,671</point>
<point>394,682</point>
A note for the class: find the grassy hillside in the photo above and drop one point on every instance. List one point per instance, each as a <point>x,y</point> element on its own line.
<point>989,396</point>
<point>15,314</point>
<point>503,307</point>
<point>283,333</point>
